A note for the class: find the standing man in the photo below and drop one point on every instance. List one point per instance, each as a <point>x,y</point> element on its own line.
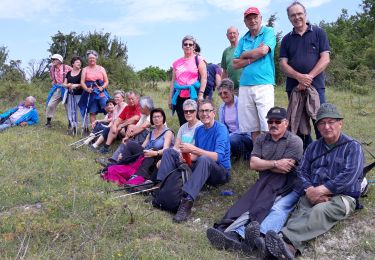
<point>57,73</point>
<point>227,59</point>
<point>304,55</point>
<point>210,154</point>
<point>255,54</point>
<point>331,172</point>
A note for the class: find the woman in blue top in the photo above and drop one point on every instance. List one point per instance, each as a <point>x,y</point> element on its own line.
<point>240,143</point>
<point>160,138</point>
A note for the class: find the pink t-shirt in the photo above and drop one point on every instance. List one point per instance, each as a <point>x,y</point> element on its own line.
<point>93,74</point>
<point>186,72</point>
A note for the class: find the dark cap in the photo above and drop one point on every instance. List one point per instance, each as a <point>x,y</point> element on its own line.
<point>251,10</point>
<point>277,113</point>
<point>328,110</point>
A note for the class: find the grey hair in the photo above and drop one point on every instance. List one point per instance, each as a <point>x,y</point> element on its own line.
<point>207,101</point>
<point>131,92</point>
<point>146,102</point>
<point>31,99</point>
<point>293,4</point>
<point>188,38</point>
<point>91,52</point>
<point>226,83</point>
<point>119,92</point>
<point>190,103</point>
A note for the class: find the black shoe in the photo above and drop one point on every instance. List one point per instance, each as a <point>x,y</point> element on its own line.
<point>252,232</point>
<point>278,247</point>
<point>224,240</point>
<point>48,125</point>
<point>260,245</point>
<point>103,161</point>
<point>184,210</point>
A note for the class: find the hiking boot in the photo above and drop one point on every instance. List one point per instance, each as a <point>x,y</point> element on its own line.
<point>252,232</point>
<point>48,125</point>
<point>184,210</point>
<point>104,150</point>
<point>260,245</point>
<point>278,247</point>
<point>224,240</point>
<point>104,161</point>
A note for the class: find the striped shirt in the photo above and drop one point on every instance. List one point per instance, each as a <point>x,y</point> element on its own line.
<point>340,170</point>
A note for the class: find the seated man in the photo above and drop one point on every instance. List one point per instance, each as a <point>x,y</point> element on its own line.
<point>22,115</point>
<point>331,174</point>
<point>210,155</point>
<point>129,115</point>
<point>271,198</point>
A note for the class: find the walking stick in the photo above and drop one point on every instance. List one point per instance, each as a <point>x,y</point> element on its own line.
<point>84,118</point>
<point>137,192</point>
<point>83,139</point>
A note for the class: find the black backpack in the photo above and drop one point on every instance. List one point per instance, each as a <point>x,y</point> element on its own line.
<point>170,193</point>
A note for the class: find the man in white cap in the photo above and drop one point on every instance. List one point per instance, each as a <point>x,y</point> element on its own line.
<point>255,54</point>
<point>57,72</point>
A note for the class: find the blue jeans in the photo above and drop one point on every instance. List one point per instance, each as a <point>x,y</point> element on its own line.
<point>241,145</point>
<point>6,124</point>
<point>278,215</point>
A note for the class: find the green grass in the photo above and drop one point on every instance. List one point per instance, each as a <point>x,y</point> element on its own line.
<point>79,220</point>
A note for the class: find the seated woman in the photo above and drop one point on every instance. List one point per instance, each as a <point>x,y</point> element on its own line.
<point>240,142</point>
<point>120,104</point>
<point>137,162</point>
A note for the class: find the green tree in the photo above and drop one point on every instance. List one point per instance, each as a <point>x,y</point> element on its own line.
<point>152,75</point>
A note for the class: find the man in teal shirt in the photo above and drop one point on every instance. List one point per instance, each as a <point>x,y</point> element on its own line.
<point>255,54</point>
<point>227,59</point>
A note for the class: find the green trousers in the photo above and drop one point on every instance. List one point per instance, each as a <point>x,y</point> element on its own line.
<point>309,221</point>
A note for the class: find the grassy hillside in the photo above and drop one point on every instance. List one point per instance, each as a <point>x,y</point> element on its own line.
<point>53,205</point>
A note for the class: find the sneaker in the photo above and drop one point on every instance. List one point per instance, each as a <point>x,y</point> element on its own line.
<point>104,150</point>
<point>92,148</point>
<point>184,210</point>
<point>135,180</point>
<point>224,240</point>
<point>278,247</point>
<point>252,231</point>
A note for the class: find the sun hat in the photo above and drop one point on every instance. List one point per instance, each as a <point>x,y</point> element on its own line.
<point>328,110</point>
<point>57,57</point>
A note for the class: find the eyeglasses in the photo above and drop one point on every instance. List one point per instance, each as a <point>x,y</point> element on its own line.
<point>223,93</point>
<point>188,44</point>
<point>324,123</point>
<point>277,122</point>
<point>205,111</point>
<point>189,111</point>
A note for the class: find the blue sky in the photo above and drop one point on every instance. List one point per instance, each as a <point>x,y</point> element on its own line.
<point>152,29</point>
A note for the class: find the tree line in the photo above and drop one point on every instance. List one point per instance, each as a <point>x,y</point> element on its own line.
<point>352,40</point>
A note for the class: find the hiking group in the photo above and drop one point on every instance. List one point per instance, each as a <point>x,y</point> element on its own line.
<point>304,187</point>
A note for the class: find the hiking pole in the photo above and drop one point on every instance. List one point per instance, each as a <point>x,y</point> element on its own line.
<point>137,192</point>
<point>129,187</point>
<point>88,137</point>
<point>84,118</point>
<point>83,139</point>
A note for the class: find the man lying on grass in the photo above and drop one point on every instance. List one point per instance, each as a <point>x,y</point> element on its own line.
<point>267,204</point>
<point>22,115</point>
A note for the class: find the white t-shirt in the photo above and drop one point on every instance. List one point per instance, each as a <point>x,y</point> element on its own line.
<point>186,134</point>
<point>20,112</point>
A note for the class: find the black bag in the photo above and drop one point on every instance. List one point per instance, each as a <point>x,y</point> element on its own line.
<point>169,196</point>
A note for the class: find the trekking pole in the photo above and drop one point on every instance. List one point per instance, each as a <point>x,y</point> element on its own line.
<point>129,187</point>
<point>80,140</point>
<point>137,192</point>
<point>84,118</point>
<point>88,137</point>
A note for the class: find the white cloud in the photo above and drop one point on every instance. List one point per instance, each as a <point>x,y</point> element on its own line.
<point>27,10</point>
<point>314,3</point>
<point>239,4</point>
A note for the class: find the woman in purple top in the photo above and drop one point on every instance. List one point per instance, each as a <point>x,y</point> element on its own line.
<point>240,143</point>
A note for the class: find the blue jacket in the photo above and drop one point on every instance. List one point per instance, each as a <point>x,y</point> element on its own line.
<point>222,114</point>
<point>30,117</point>
<point>53,89</point>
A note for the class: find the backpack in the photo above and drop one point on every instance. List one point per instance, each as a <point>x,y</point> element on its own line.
<point>170,193</point>
<point>211,76</point>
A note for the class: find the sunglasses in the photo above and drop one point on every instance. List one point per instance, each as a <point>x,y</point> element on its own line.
<point>277,122</point>
<point>188,44</point>
<point>189,111</point>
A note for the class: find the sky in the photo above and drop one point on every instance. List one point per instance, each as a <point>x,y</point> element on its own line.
<point>151,29</point>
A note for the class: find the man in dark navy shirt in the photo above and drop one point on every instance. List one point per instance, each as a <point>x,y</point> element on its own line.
<point>304,55</point>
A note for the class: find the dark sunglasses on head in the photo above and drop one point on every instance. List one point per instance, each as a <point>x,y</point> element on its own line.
<point>189,111</point>
<point>277,122</point>
<point>188,44</point>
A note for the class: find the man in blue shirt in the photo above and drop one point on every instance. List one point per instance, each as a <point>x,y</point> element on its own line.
<point>255,54</point>
<point>210,154</point>
<point>331,172</point>
<point>304,55</point>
